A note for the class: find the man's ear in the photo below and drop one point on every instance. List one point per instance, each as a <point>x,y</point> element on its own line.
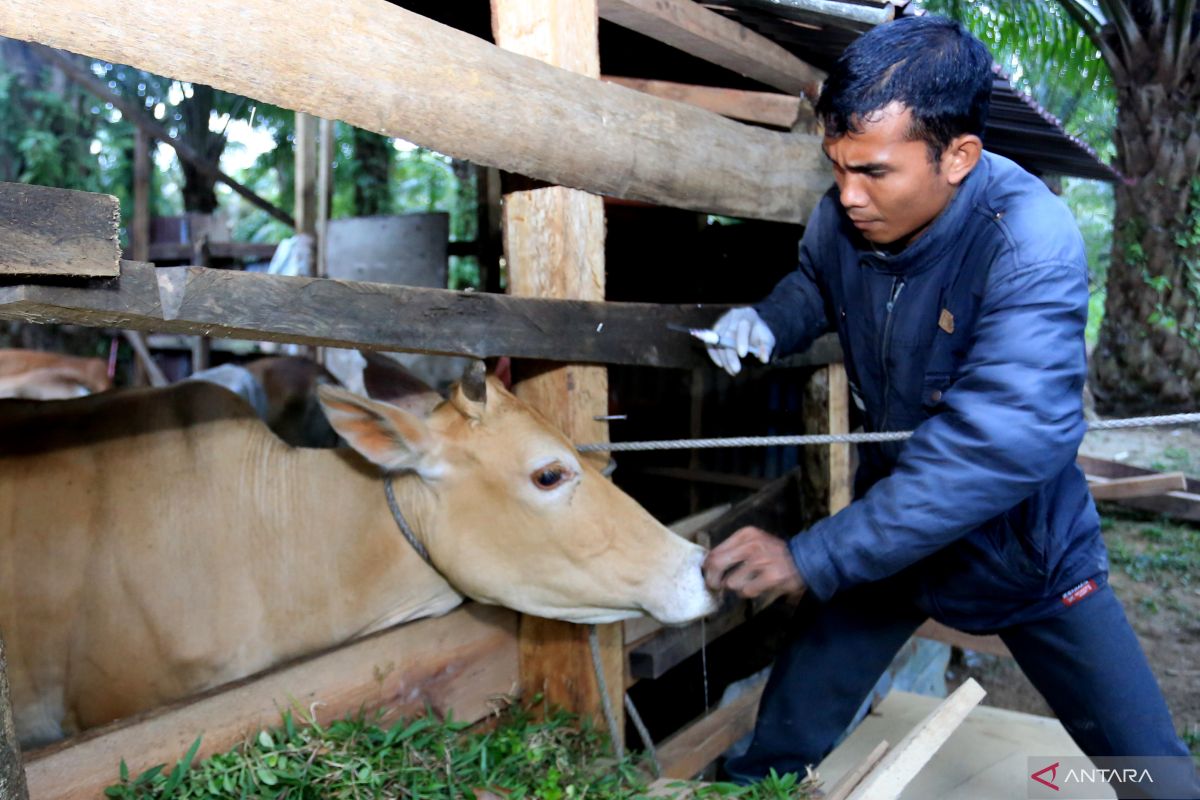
<point>388,436</point>
<point>960,157</point>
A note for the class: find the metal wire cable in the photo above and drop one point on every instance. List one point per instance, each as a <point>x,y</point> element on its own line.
<point>846,438</point>
<point>609,717</point>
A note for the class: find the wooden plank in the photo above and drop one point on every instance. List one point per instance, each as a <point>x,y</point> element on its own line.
<point>12,774</point>
<point>766,108</point>
<point>687,752</point>
<point>992,645</point>
<point>1184,505</point>
<point>902,763</point>
<point>135,113</point>
<point>1136,486</point>
<point>554,248</point>
<point>375,316</point>
<point>983,760</point>
<point>701,32</point>
<point>653,657</point>
<point>58,232</point>
<point>389,70</point>
<point>852,778</point>
<point>457,662</point>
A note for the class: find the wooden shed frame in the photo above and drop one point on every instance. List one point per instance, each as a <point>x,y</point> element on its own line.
<point>534,105</point>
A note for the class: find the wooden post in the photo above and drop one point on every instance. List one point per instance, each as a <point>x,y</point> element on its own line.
<point>489,247</point>
<point>306,175</point>
<point>202,344</point>
<point>324,192</point>
<point>826,483</point>
<point>554,245</point>
<point>12,773</point>
<point>841,481</point>
<point>139,233</point>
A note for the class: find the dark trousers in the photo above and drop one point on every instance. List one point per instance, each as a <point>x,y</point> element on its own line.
<point>1086,662</point>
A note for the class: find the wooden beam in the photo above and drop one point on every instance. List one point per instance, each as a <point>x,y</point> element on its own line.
<point>701,32</point>
<point>12,774</point>
<point>57,232</point>
<point>255,306</point>
<point>458,663</point>
<point>687,752</point>
<point>654,656</point>
<point>906,759</point>
<point>1136,485</point>
<point>141,119</point>
<point>554,247</point>
<point>779,110</point>
<point>392,71</point>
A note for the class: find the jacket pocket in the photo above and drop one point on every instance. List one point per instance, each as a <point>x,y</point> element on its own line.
<point>933,390</point>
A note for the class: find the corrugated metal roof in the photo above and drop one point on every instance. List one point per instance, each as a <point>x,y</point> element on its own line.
<point>1018,128</point>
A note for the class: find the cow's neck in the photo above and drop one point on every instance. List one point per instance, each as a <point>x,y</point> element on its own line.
<point>383,580</point>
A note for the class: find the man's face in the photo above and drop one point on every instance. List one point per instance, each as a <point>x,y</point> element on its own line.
<point>889,187</point>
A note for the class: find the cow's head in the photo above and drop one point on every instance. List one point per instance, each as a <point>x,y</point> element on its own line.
<point>520,518</point>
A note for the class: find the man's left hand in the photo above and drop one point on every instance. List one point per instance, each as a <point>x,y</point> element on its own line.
<point>753,562</point>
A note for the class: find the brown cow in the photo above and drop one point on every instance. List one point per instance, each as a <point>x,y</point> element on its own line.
<point>157,542</point>
<point>38,375</point>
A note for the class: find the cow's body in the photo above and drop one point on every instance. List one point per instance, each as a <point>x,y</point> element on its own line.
<point>157,542</point>
<point>38,375</point>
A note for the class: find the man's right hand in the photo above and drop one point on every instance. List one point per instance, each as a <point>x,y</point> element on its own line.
<point>742,331</point>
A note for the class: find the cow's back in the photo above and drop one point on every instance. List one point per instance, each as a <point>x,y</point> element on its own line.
<point>87,489</point>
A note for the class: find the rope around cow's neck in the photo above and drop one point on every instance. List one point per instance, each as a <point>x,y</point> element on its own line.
<point>402,523</point>
<point>845,438</point>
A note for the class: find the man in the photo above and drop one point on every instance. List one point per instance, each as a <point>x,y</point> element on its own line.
<point>957,284</point>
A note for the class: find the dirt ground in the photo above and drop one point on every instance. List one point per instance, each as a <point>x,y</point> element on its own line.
<point>1154,569</point>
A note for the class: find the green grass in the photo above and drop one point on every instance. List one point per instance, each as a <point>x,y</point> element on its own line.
<point>558,758</point>
<point>1160,552</point>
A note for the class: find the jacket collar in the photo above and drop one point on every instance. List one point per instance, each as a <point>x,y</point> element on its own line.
<point>945,229</point>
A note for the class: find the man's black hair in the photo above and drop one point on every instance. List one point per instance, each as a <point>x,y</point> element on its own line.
<point>930,64</point>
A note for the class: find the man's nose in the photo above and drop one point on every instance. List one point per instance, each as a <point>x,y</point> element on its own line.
<point>852,194</point>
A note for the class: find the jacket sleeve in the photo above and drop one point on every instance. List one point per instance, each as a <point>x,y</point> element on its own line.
<point>1012,421</point>
<point>795,309</point>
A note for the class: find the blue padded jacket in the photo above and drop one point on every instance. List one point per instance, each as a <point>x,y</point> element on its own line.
<point>973,338</point>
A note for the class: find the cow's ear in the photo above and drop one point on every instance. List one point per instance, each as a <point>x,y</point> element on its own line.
<point>390,437</point>
<point>388,380</point>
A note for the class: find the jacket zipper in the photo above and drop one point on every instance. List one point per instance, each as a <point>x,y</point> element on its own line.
<point>897,287</point>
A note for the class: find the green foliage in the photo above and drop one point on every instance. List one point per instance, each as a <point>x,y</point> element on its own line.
<point>1050,57</point>
<point>555,759</point>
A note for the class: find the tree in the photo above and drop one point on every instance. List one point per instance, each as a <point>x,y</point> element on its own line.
<point>1148,354</point>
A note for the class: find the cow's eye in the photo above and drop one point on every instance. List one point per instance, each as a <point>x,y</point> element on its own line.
<point>551,475</point>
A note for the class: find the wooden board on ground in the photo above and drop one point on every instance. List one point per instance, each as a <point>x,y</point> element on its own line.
<point>1136,486</point>
<point>458,663</point>
<point>986,759</point>
<point>1183,504</point>
<point>375,316</point>
<point>58,232</point>
<point>903,762</point>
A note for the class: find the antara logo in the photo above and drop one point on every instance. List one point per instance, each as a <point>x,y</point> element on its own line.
<point>1053,770</point>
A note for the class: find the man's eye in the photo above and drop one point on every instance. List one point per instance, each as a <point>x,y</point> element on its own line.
<point>550,476</point>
